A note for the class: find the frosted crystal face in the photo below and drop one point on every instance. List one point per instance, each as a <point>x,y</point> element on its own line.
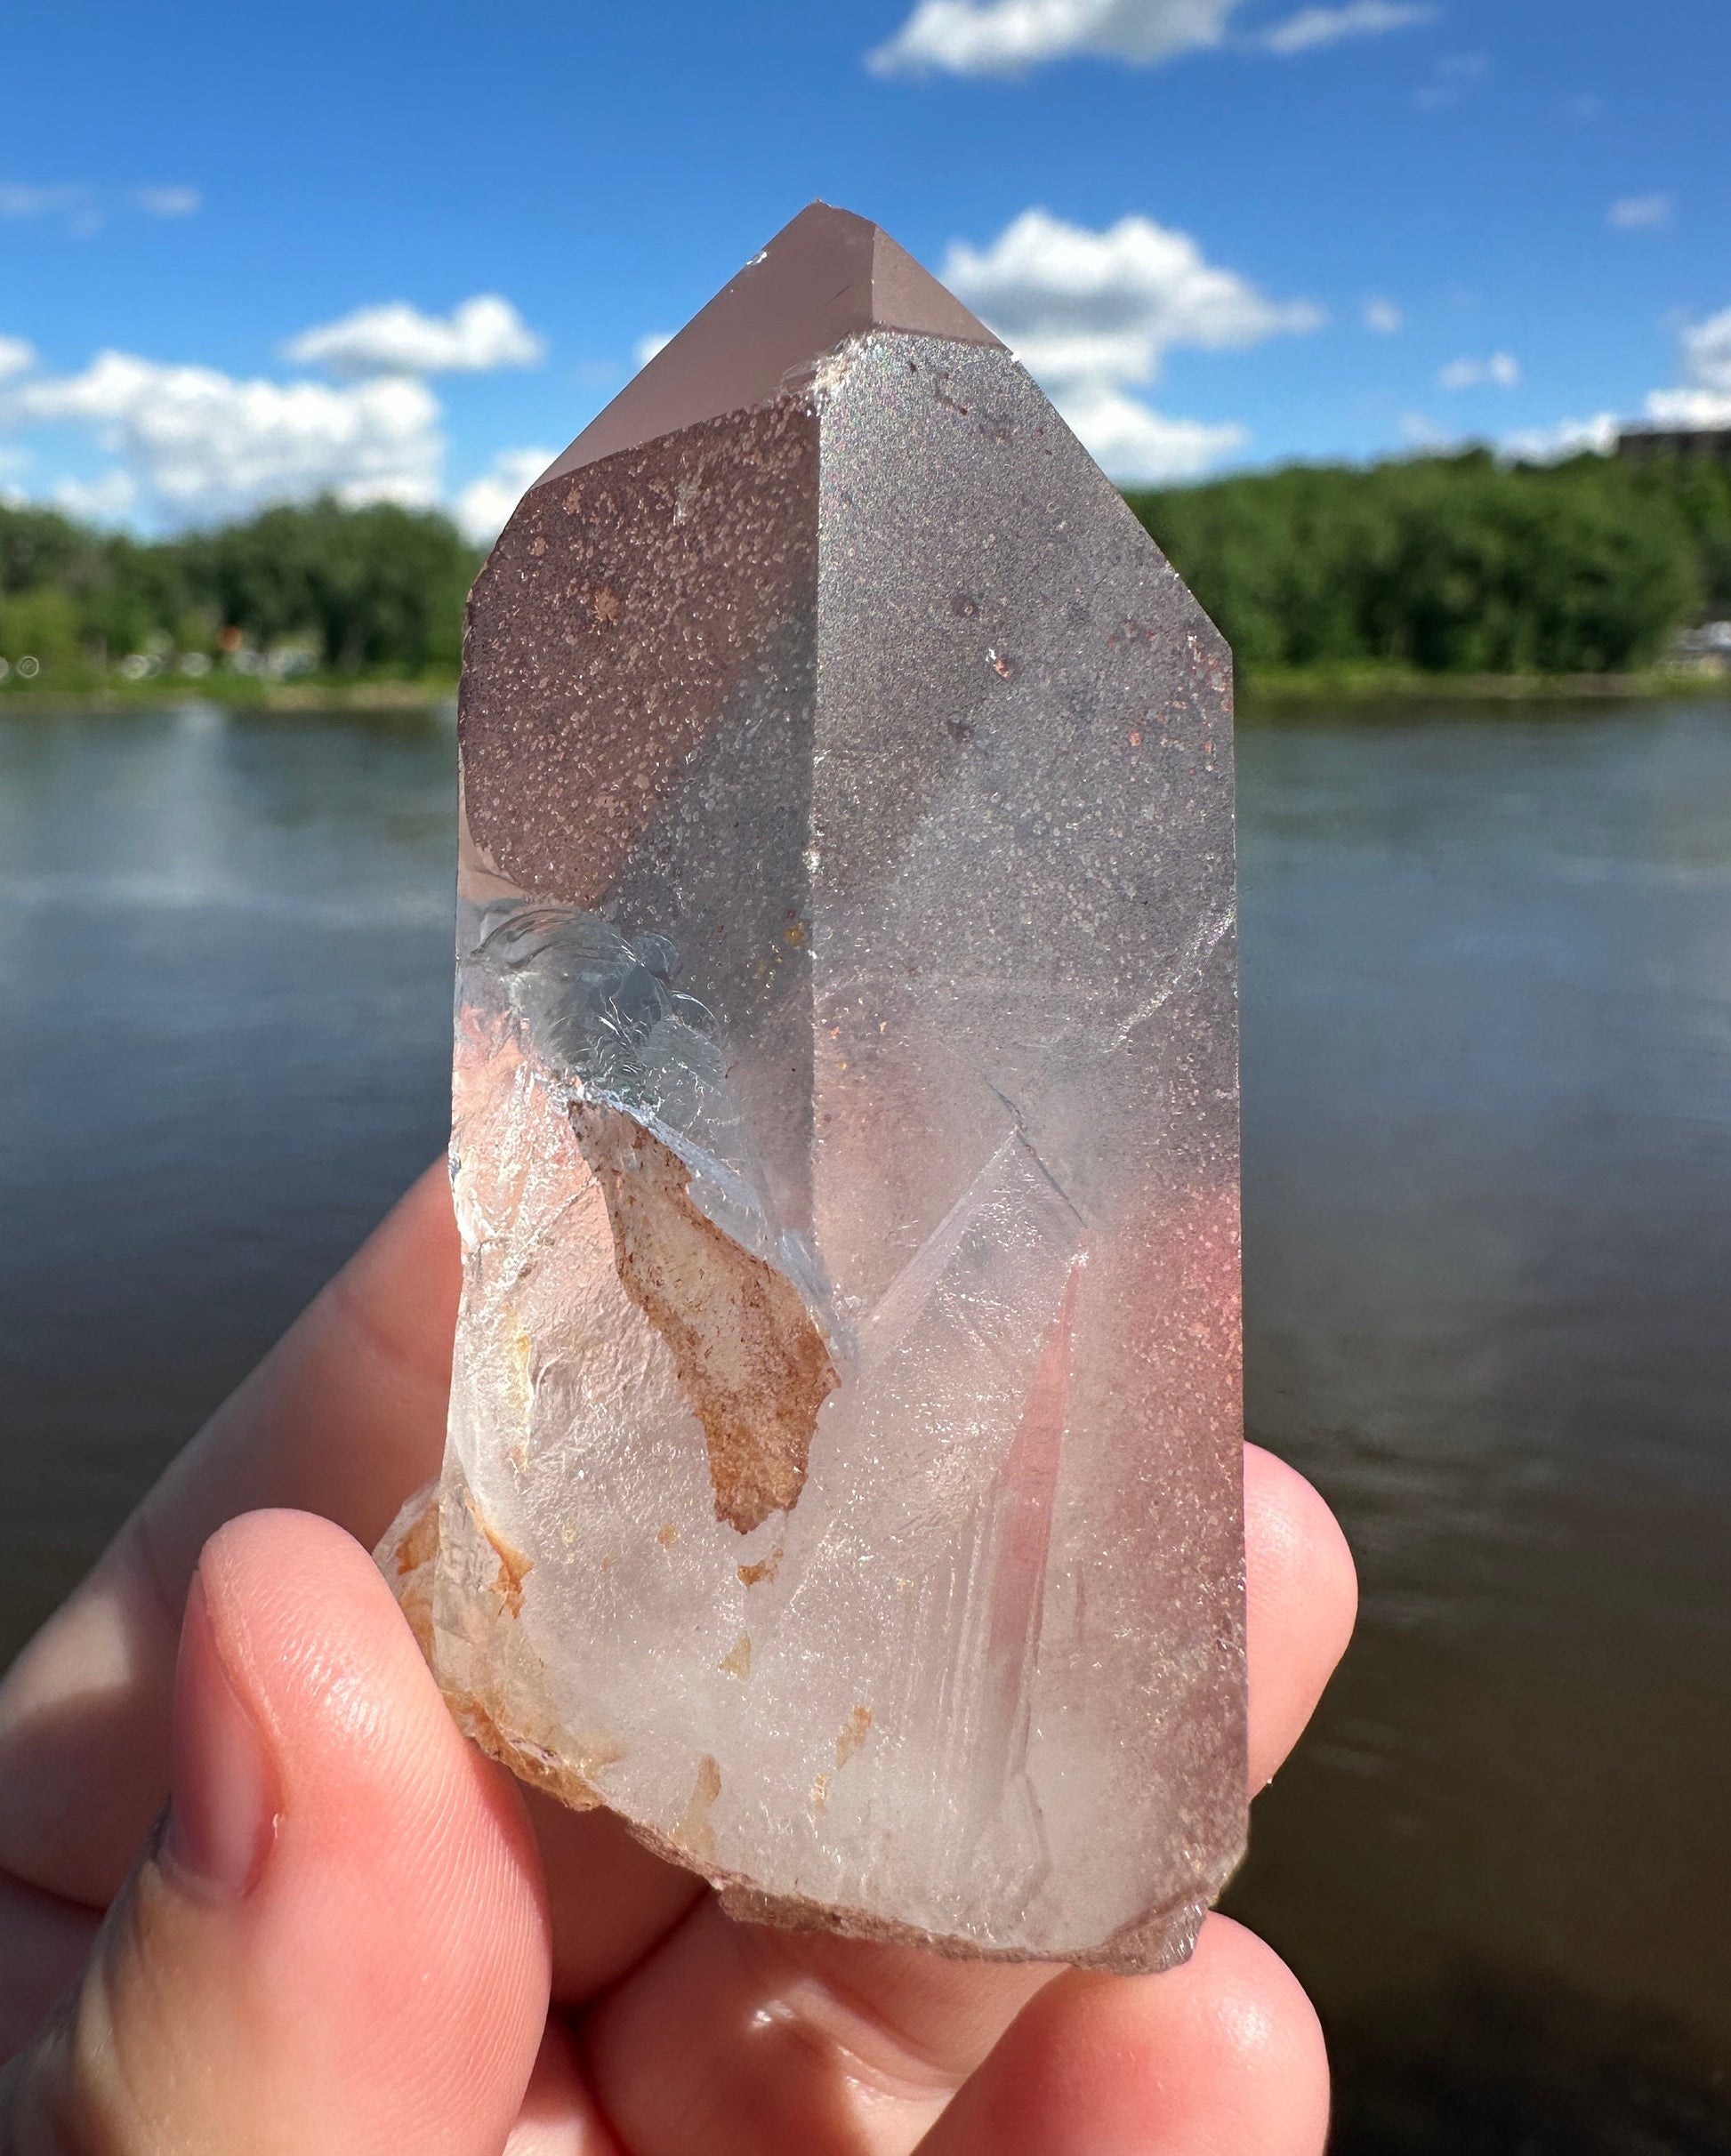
<point>843,1471</point>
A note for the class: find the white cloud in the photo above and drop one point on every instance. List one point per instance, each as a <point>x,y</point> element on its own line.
<point>484,505</point>
<point>1325,26</point>
<point>202,444</point>
<point>1091,313</point>
<point>1705,398</point>
<point>106,499</point>
<point>1135,443</point>
<point>1384,317</point>
<point>1501,371</point>
<point>1568,438</point>
<point>76,205</point>
<point>168,201</point>
<point>1707,353</point>
<point>194,443</point>
<point>646,347</point>
<point>1639,213</point>
<point>83,210</point>
<point>1075,303</point>
<point>482,333</point>
<point>1006,36</point>
<point>1690,408</point>
<point>1702,400</point>
<point>22,202</point>
<point>1450,78</point>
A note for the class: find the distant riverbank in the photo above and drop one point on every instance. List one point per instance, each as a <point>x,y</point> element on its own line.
<point>236,692</point>
<point>1261,693</point>
<point>1361,685</point>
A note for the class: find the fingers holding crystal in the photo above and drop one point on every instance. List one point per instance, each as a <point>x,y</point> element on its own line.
<point>559,2117</point>
<point>1302,1596</point>
<point>611,1900</point>
<point>340,1929</point>
<point>43,1944</point>
<point>751,2040</point>
<point>343,1417</point>
<point>1224,2054</point>
<point>736,2039</point>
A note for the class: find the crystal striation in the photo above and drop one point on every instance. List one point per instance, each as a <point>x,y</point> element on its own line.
<point>843,1476</point>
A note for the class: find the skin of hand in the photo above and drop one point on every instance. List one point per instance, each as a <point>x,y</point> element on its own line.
<point>347,1932</point>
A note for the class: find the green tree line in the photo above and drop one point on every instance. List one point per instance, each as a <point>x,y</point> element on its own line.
<point>1453,563</point>
<point>1442,563</point>
<point>376,590</point>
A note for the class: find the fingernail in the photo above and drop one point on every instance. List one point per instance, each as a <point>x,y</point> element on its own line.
<point>222,1801</point>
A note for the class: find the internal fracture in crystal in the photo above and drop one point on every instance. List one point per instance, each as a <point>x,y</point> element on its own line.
<point>843,1473</point>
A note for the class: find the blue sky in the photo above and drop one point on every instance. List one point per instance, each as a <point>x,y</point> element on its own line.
<point>1224,232</point>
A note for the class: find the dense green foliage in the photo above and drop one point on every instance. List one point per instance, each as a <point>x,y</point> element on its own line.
<point>1448,565</point>
<point>1454,565</point>
<point>371,588</point>
<point>345,591</point>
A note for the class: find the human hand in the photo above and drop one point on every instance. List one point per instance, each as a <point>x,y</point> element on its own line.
<point>345,1934</point>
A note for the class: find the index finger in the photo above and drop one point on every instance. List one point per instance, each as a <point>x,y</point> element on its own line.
<point>345,1417</point>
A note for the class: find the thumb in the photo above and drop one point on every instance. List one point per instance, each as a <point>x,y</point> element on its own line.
<point>337,1942</point>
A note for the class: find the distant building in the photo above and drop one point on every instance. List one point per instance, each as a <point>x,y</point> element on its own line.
<point>1705,651</point>
<point>1690,445</point>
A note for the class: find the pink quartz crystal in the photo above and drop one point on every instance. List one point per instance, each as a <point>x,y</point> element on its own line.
<point>843,1479</point>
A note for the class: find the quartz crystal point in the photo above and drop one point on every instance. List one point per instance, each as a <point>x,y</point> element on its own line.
<point>843,1473</point>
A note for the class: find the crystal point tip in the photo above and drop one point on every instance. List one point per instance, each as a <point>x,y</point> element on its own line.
<point>827,275</point>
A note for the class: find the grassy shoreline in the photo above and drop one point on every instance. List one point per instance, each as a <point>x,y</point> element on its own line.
<point>1381,684</point>
<point>235,692</point>
<point>1258,690</point>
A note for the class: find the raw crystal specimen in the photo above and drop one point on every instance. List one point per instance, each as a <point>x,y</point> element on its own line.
<point>843,1471</point>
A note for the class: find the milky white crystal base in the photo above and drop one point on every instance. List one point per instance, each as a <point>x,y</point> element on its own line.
<point>843,1715</point>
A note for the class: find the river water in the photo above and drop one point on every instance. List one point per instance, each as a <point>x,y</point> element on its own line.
<point>1487,1018</point>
